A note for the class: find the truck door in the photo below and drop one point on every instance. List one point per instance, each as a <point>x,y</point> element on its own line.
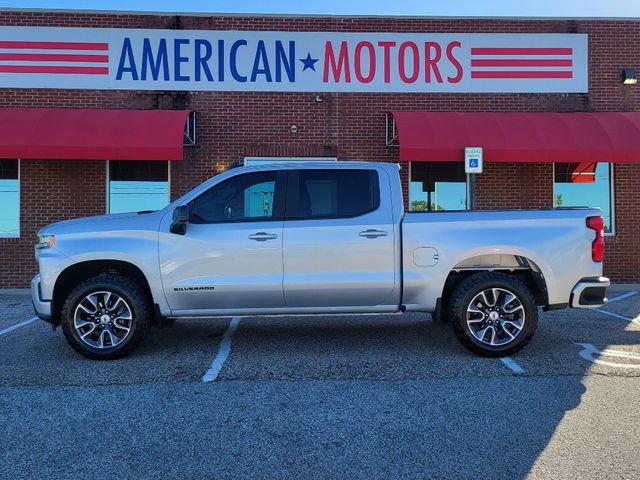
<point>338,240</point>
<point>231,254</point>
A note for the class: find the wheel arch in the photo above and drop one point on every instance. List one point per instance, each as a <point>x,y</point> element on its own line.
<point>521,267</point>
<point>70,277</point>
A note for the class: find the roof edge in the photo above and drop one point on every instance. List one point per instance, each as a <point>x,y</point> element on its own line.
<point>303,15</point>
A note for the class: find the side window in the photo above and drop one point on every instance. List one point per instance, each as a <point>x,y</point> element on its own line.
<point>9,198</point>
<point>138,185</point>
<point>336,193</point>
<point>243,198</point>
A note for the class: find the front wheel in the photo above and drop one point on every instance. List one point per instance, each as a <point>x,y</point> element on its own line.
<point>105,317</point>
<point>493,314</point>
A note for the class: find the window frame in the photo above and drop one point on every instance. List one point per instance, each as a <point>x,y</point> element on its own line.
<point>293,183</point>
<point>612,195</point>
<point>108,185</point>
<point>17,235</point>
<point>278,206</point>
<point>275,160</point>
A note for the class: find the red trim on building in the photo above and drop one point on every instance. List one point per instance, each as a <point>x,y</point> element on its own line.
<point>520,137</point>
<point>92,134</point>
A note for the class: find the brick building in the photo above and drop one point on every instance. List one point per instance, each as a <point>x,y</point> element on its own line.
<point>237,121</point>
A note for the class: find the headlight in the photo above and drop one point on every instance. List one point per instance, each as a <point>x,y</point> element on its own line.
<point>46,241</point>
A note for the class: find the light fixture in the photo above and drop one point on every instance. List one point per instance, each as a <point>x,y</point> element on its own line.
<point>629,76</point>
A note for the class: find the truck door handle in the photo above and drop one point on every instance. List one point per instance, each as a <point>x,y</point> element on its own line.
<point>372,233</point>
<point>262,236</point>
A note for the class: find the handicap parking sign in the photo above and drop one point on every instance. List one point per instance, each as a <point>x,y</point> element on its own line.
<point>473,160</point>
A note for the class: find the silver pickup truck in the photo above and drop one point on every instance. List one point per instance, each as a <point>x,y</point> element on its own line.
<point>308,238</point>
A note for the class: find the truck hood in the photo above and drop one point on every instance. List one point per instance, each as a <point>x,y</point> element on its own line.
<point>120,221</point>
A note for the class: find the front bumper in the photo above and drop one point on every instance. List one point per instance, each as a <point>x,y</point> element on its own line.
<point>589,293</point>
<point>42,307</point>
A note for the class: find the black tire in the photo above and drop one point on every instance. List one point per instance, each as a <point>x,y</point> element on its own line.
<point>134,300</point>
<point>500,331</point>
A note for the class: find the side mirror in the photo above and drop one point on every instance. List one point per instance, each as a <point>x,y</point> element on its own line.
<point>180,221</point>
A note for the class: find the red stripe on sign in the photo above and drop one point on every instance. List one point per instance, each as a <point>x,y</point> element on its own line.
<point>522,51</point>
<point>497,62</point>
<point>55,45</point>
<point>48,69</point>
<point>53,57</point>
<point>521,74</point>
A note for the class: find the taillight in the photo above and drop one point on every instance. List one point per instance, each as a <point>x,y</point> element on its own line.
<point>597,247</point>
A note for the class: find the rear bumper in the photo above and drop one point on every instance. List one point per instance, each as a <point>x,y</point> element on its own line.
<point>42,307</point>
<point>589,293</point>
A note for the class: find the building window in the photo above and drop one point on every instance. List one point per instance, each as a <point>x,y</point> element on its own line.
<point>585,185</point>
<point>437,186</point>
<point>138,185</point>
<point>9,198</point>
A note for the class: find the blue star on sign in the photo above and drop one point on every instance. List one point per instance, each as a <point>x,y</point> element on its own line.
<point>308,62</point>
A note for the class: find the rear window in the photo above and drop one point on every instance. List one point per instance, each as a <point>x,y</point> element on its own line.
<point>336,193</point>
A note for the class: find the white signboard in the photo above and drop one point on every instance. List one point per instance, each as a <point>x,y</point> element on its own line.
<point>200,60</point>
<point>473,159</point>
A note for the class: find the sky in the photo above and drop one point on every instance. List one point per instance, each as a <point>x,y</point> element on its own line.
<point>456,8</point>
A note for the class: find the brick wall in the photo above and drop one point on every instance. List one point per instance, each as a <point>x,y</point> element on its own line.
<point>49,192</point>
<point>233,125</point>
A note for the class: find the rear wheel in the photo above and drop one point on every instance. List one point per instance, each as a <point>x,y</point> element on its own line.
<point>493,314</point>
<point>105,317</point>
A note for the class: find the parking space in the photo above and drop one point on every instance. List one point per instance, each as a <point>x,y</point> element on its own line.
<point>14,309</point>
<point>372,396</point>
<point>357,347</point>
<point>623,303</point>
<point>561,335</point>
<point>36,355</point>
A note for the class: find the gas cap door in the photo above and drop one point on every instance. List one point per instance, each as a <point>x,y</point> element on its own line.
<point>425,256</point>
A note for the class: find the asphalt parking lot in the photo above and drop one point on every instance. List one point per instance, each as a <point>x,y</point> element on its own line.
<point>389,396</point>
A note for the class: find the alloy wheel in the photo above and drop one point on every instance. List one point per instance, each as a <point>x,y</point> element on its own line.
<point>103,319</point>
<point>495,316</point>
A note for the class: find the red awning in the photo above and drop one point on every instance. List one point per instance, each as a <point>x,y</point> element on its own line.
<point>92,134</point>
<point>520,137</point>
<point>575,172</point>
<point>584,173</point>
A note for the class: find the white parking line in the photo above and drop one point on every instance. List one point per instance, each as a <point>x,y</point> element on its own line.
<point>223,351</point>
<point>615,315</point>
<point>622,297</point>
<point>17,326</point>
<point>509,362</point>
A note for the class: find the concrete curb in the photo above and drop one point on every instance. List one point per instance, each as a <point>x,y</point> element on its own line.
<point>623,287</point>
<point>14,291</point>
